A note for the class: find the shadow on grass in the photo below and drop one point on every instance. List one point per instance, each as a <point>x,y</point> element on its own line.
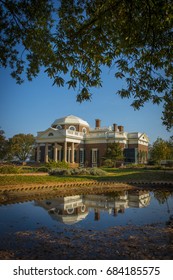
<point>132,175</point>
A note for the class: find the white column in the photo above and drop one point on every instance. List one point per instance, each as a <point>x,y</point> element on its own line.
<point>55,152</point>
<point>65,152</point>
<point>72,152</point>
<point>69,160</point>
<point>46,157</point>
<point>38,152</point>
<point>60,152</point>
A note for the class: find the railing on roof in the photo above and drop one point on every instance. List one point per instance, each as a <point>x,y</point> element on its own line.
<point>107,135</point>
<point>74,132</point>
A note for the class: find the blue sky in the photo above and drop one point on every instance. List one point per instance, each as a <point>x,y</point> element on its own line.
<point>33,106</point>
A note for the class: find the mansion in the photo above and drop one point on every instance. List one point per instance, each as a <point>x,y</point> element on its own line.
<point>71,139</point>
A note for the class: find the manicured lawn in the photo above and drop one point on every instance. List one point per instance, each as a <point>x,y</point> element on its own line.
<point>119,175</point>
<point>25,179</point>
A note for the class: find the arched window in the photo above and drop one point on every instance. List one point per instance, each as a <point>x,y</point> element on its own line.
<point>59,126</point>
<point>72,127</point>
<point>50,134</point>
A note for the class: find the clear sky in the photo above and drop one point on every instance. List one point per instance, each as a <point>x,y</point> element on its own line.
<point>33,106</point>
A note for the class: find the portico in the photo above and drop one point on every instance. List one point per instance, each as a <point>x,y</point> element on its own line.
<point>56,151</point>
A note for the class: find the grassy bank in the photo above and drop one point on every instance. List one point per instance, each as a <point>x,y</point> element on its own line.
<point>32,179</point>
<point>119,175</point>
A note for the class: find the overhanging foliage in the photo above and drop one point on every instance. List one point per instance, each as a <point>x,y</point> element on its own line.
<point>135,37</point>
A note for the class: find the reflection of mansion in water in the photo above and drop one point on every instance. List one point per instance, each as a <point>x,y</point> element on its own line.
<point>72,209</point>
<point>69,210</point>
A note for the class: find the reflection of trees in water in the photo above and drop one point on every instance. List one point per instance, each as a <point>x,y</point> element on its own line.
<point>162,196</point>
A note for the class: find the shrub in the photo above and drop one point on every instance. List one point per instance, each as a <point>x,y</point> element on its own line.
<point>42,169</point>
<point>97,172</point>
<point>57,164</point>
<point>80,171</point>
<point>108,163</point>
<point>59,172</point>
<point>10,169</point>
<point>68,172</point>
<point>77,171</point>
<point>135,165</point>
<point>28,169</point>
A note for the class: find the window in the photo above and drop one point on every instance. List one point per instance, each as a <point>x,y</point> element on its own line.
<point>72,127</point>
<point>94,155</point>
<point>50,134</point>
<point>81,155</point>
<point>59,126</point>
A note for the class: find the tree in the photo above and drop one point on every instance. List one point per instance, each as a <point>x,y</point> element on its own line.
<point>114,152</point>
<point>170,146</point>
<point>142,156</point>
<point>21,146</point>
<point>162,197</point>
<point>161,150</point>
<point>3,145</point>
<point>78,37</point>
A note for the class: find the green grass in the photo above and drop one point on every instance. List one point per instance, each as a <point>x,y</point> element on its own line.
<point>139,174</point>
<point>120,175</point>
<point>23,179</point>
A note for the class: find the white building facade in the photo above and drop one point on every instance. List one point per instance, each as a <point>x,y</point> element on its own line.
<point>71,139</point>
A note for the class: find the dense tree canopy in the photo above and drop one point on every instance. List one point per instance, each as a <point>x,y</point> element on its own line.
<point>114,152</point>
<point>78,37</point>
<point>3,145</point>
<point>21,146</point>
<point>161,150</point>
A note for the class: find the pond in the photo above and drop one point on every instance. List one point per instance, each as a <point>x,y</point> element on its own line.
<point>86,221</point>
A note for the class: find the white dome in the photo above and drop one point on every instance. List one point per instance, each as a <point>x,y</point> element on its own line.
<point>70,120</point>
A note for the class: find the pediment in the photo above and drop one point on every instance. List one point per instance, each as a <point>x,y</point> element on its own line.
<point>144,137</point>
<point>49,133</point>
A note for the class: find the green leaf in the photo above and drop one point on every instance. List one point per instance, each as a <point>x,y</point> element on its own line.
<point>59,81</point>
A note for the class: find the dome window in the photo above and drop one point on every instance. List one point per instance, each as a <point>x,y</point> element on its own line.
<point>72,128</point>
<point>50,134</point>
<point>59,126</point>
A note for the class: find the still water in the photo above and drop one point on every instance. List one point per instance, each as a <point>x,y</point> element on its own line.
<point>87,212</point>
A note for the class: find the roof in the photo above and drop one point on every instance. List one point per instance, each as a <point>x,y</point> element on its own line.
<point>70,119</point>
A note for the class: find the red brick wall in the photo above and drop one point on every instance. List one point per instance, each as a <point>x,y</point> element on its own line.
<point>132,146</point>
<point>101,152</point>
<point>142,148</point>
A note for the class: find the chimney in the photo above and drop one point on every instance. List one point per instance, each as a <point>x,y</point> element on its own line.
<point>115,127</point>
<point>97,122</point>
<point>121,128</point>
